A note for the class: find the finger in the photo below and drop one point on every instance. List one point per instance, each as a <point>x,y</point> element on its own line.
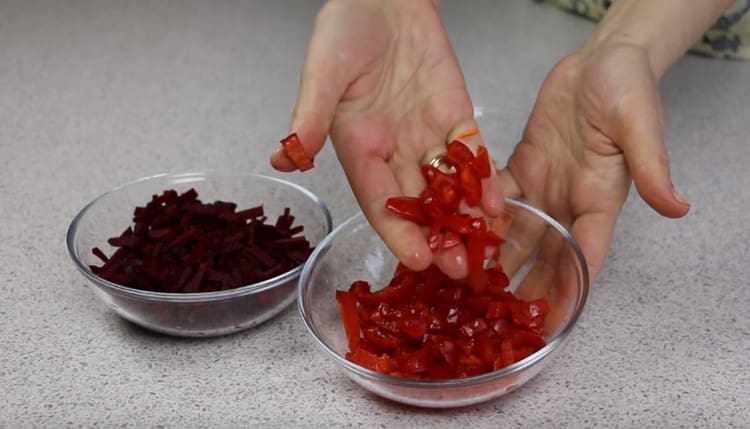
<point>323,84</point>
<point>373,182</point>
<point>521,240</point>
<point>453,262</point>
<point>508,183</point>
<point>538,281</point>
<point>409,177</point>
<point>526,175</point>
<point>638,132</point>
<point>593,232</point>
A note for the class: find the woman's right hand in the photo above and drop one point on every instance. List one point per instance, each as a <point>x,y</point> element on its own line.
<point>382,79</point>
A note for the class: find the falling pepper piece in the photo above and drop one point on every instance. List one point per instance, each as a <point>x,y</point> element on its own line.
<point>296,152</point>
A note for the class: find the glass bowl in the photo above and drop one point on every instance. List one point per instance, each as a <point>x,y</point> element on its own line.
<point>200,314</point>
<point>541,258</point>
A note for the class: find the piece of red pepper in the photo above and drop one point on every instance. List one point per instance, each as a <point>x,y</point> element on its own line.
<point>350,316</point>
<point>472,187</point>
<point>382,340</point>
<point>410,208</point>
<point>481,164</point>
<point>296,152</point>
<point>446,187</point>
<point>458,154</point>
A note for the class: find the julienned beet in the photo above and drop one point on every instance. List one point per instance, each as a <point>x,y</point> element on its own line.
<point>178,244</point>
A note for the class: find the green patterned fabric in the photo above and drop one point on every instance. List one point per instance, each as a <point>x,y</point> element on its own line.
<point>729,37</point>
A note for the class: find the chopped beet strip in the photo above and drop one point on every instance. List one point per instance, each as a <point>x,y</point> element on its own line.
<point>426,325</point>
<point>99,254</point>
<point>179,244</point>
<point>250,213</point>
<point>264,258</point>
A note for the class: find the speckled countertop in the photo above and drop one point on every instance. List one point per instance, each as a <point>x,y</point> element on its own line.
<point>95,93</point>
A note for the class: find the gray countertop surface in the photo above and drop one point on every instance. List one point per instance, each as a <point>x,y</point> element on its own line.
<point>96,93</point>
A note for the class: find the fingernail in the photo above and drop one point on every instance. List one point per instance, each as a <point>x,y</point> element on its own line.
<point>679,197</point>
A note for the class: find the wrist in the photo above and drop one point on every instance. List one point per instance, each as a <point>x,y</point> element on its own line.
<point>663,29</point>
<point>633,44</point>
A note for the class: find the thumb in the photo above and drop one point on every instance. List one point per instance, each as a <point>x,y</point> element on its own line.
<point>322,86</point>
<point>638,132</point>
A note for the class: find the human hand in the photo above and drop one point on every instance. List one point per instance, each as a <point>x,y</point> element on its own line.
<point>597,121</point>
<point>382,78</point>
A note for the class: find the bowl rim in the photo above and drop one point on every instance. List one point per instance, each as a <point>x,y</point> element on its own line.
<point>527,362</point>
<point>196,296</point>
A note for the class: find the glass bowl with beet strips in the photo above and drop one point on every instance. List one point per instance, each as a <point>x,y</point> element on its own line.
<point>198,254</point>
<point>422,339</point>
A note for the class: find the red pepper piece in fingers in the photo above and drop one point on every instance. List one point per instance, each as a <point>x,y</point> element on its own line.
<point>409,208</point>
<point>476,243</point>
<point>296,152</point>
<point>481,164</point>
<point>458,155</point>
<point>472,186</point>
<point>446,187</point>
<point>458,223</point>
<point>450,239</point>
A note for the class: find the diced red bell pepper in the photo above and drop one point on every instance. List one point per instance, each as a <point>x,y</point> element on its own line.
<point>387,318</point>
<point>496,278</point>
<point>409,208</point>
<point>450,239</point>
<point>522,338</point>
<point>502,328</point>
<point>413,362</point>
<point>430,203</point>
<point>382,340</point>
<point>481,163</point>
<point>391,294</point>
<point>475,248</point>
<point>446,187</point>
<point>359,288</point>
<point>348,306</point>
<point>507,357</point>
<point>296,152</point>
<point>487,347</point>
<point>446,348</point>
<point>473,328</point>
<point>523,313</point>
<point>478,304</point>
<point>380,363</point>
<point>458,223</point>
<point>470,365</point>
<point>497,310</point>
<point>413,326</point>
<point>458,154</point>
<point>471,186</point>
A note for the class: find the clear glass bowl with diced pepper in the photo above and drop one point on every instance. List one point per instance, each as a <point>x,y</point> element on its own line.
<point>424,339</point>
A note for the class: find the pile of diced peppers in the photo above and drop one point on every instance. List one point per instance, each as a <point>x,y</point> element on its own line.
<point>425,325</point>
